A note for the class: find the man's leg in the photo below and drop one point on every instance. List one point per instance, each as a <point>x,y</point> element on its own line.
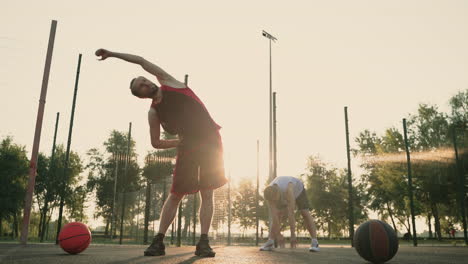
<point>211,176</point>
<point>310,225</point>
<point>168,213</point>
<point>206,210</point>
<point>206,215</point>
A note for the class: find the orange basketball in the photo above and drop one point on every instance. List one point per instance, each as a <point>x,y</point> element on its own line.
<point>74,237</point>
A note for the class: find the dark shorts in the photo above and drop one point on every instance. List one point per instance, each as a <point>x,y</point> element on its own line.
<point>302,202</point>
<point>199,166</point>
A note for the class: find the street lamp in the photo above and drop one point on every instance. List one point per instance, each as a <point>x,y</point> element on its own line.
<point>270,167</point>
<point>268,35</point>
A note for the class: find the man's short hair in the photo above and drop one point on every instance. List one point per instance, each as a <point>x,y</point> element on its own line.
<point>135,93</point>
<point>272,193</point>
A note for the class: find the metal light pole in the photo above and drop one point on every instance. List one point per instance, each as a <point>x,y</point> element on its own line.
<point>147,204</point>
<point>127,160</point>
<point>51,170</point>
<point>179,214</point>
<point>410,183</point>
<point>275,160</point>
<point>28,199</point>
<point>270,162</point>
<point>195,197</point>
<point>67,154</point>
<point>117,158</point>
<point>257,195</point>
<point>350,182</point>
<point>229,209</point>
<point>461,186</point>
<point>179,225</point>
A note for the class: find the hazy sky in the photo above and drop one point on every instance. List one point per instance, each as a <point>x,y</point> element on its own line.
<point>379,58</point>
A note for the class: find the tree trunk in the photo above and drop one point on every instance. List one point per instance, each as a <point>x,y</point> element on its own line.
<point>435,212</point>
<point>46,229</point>
<point>43,226</point>
<point>164,193</point>
<point>1,224</point>
<point>391,217</point>
<point>106,231</point>
<point>429,216</point>
<point>402,222</point>
<point>186,226</point>
<point>409,225</point>
<point>39,227</point>
<point>329,229</point>
<point>147,211</point>
<point>15,225</point>
<point>40,224</point>
<point>44,219</point>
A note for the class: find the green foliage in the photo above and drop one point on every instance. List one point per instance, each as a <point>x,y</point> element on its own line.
<point>13,177</point>
<point>105,167</point>
<point>459,108</point>
<point>244,205</point>
<point>434,173</point>
<point>428,129</point>
<point>159,165</point>
<point>75,203</point>
<point>117,143</point>
<point>327,189</point>
<point>52,181</point>
<point>158,169</point>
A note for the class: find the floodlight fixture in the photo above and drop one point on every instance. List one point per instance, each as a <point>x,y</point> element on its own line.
<point>268,35</point>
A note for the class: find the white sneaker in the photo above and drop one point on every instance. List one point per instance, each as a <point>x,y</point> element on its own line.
<point>314,247</point>
<point>268,246</point>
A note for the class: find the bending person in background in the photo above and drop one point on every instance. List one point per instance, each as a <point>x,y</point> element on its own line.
<point>199,165</point>
<point>282,195</point>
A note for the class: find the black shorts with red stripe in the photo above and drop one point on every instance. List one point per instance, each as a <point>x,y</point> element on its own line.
<point>199,166</point>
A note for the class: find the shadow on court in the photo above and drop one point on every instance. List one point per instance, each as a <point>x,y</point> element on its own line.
<point>116,254</point>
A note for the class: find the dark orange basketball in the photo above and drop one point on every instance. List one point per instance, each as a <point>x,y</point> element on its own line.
<point>376,241</point>
<point>74,237</point>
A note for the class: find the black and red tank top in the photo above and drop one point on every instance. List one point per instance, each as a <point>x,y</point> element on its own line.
<point>181,112</point>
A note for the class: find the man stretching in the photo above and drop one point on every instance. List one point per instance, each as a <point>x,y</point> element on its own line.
<point>282,195</point>
<point>199,165</point>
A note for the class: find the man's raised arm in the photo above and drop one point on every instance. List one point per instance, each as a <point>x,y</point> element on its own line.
<point>163,77</point>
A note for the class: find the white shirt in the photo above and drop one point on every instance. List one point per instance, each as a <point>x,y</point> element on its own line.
<point>283,182</point>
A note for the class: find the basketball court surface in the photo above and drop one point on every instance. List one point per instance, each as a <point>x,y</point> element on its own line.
<point>116,254</point>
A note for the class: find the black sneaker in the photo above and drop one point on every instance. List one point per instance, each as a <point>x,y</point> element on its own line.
<point>204,250</point>
<point>156,248</point>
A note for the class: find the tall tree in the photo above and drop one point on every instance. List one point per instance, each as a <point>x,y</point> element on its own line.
<point>385,177</point>
<point>244,204</point>
<point>459,108</point>
<point>102,173</point>
<point>430,130</point>
<point>327,190</point>
<point>13,180</point>
<point>434,174</point>
<point>50,182</point>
